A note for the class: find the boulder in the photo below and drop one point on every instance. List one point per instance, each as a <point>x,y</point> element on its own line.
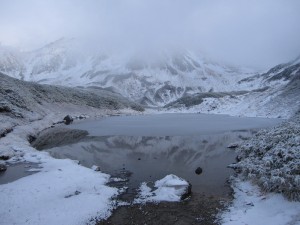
<point>2,168</point>
<point>198,171</point>
<point>68,119</point>
<point>4,157</point>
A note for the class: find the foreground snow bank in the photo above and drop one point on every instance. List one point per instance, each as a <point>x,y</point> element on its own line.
<point>272,159</point>
<point>63,192</point>
<point>171,188</point>
<point>251,207</point>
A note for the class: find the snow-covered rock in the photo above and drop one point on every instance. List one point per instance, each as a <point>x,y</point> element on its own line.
<point>171,188</point>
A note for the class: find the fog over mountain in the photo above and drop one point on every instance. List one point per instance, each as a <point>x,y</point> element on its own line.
<point>255,33</point>
<point>128,92</point>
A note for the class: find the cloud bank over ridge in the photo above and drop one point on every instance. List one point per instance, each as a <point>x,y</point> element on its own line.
<point>258,33</point>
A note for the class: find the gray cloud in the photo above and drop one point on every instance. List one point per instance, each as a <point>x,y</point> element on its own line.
<point>258,33</point>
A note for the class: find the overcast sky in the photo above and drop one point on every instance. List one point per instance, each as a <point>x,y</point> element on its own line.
<point>259,33</point>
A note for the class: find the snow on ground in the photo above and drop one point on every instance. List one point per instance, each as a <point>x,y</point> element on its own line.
<point>271,160</point>
<point>247,105</point>
<point>62,192</point>
<point>252,207</point>
<point>171,188</point>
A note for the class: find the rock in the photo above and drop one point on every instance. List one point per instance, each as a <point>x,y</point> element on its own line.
<point>4,157</point>
<point>96,168</point>
<point>6,131</point>
<point>233,145</point>
<point>77,162</point>
<point>68,119</point>
<point>71,195</point>
<point>238,158</point>
<point>187,193</point>
<point>198,171</point>
<point>82,117</point>
<point>250,204</point>
<point>4,107</point>
<point>2,168</point>
<point>176,187</point>
<point>31,138</point>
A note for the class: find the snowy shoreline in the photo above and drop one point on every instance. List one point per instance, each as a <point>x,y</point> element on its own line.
<point>268,175</point>
<point>75,191</point>
<point>55,194</point>
<point>63,192</point>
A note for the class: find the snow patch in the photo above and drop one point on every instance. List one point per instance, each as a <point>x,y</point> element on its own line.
<point>252,207</point>
<point>63,192</point>
<point>171,188</point>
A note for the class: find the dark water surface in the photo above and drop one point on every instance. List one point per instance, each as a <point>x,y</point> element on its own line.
<point>173,124</point>
<point>16,171</point>
<point>146,148</point>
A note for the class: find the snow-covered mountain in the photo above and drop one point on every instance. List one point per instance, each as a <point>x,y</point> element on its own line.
<point>148,80</point>
<point>277,94</point>
<point>11,61</point>
<point>180,79</point>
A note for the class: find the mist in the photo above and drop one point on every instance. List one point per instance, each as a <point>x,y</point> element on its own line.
<point>252,33</point>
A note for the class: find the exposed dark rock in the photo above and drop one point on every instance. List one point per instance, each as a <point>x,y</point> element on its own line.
<point>187,193</point>
<point>6,131</point>
<point>2,168</point>
<point>96,168</point>
<point>31,138</point>
<point>198,171</point>
<point>233,145</point>
<point>82,117</point>
<point>4,157</point>
<point>71,195</point>
<point>238,158</point>
<point>68,119</point>
<point>4,108</point>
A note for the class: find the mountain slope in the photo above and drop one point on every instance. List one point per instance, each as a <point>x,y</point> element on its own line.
<point>179,80</point>
<point>151,80</point>
<point>23,101</point>
<point>278,95</point>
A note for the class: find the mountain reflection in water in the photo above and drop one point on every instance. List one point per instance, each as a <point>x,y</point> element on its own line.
<point>151,158</point>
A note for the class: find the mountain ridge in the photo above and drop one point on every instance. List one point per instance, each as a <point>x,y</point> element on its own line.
<point>165,79</point>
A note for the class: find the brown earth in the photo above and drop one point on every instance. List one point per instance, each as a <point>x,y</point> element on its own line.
<point>198,209</point>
